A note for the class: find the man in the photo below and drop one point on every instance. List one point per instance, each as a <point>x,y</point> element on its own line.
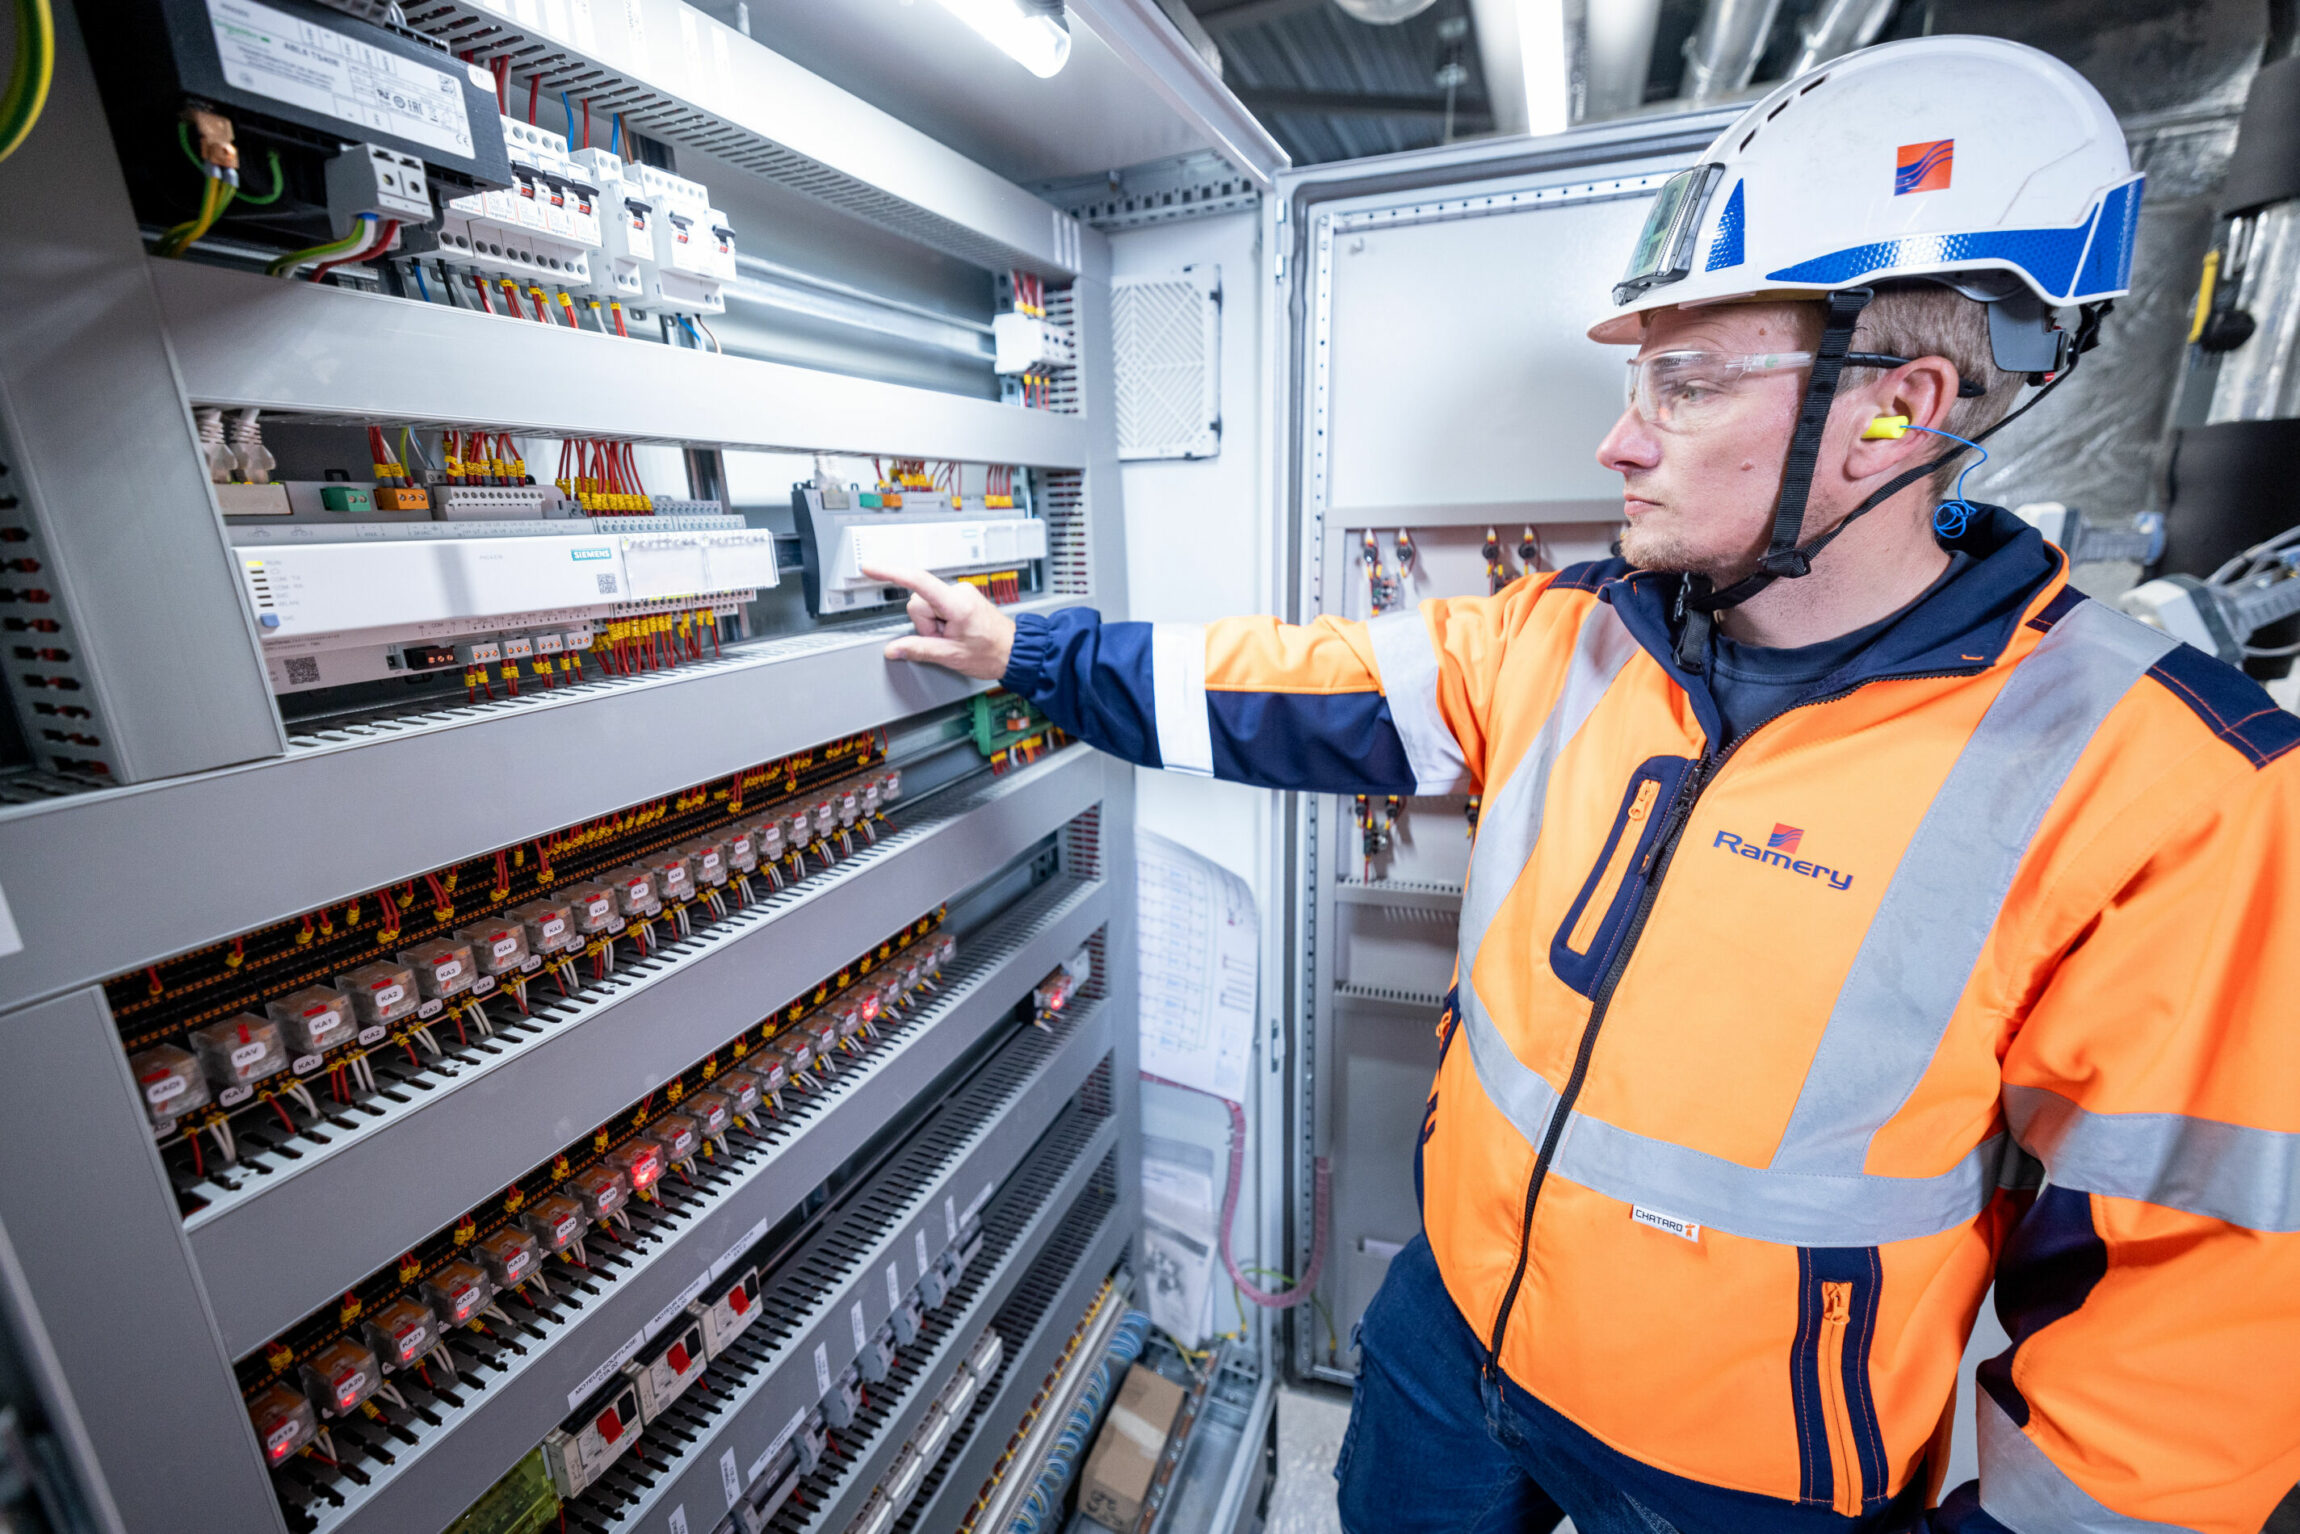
<point>1839,865</point>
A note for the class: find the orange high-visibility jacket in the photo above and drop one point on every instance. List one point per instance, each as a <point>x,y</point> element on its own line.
<point>1757,1046</point>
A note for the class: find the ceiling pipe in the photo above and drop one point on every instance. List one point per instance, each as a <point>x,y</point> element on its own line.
<point>1723,51</point>
<point>1620,55</point>
<point>1836,28</point>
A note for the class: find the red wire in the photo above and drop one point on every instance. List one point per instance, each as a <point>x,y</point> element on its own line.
<point>586,122</point>
<point>502,69</point>
<point>484,301</point>
<point>382,242</point>
<point>534,84</point>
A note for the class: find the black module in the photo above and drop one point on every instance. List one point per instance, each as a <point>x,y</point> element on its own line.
<point>296,78</point>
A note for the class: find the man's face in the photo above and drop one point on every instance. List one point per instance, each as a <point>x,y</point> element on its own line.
<point>1700,497</point>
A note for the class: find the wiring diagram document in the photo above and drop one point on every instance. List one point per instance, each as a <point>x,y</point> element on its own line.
<point>1199,942</point>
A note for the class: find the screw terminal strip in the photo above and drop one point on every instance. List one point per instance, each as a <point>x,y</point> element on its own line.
<point>433,1324</point>
<point>767,826</point>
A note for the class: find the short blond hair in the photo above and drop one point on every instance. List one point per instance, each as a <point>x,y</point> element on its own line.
<point>1927,320</point>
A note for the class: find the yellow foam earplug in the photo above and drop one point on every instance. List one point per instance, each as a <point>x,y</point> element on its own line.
<point>1886,427</point>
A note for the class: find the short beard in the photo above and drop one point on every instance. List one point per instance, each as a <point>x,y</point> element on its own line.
<point>1655,549</point>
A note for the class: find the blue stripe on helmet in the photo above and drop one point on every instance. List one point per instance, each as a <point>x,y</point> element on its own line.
<point>1725,249</point>
<point>2052,258</point>
<point>2108,264</point>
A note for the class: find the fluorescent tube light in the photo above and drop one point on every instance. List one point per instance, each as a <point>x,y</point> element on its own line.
<point>1033,33</point>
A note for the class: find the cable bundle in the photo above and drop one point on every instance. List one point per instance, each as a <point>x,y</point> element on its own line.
<point>1042,1506</point>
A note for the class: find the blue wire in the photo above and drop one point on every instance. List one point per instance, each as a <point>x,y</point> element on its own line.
<point>1952,515</point>
<point>420,285</point>
<point>615,143</point>
<point>568,113</point>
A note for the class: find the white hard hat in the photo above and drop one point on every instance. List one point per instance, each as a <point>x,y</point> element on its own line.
<point>1970,159</point>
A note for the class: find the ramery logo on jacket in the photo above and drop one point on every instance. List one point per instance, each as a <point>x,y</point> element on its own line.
<point>1780,851</point>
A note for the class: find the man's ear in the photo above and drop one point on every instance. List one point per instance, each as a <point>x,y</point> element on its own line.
<point>1919,393</point>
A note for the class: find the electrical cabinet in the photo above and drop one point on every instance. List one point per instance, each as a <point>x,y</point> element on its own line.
<point>502,948</point>
<point>544,1021</point>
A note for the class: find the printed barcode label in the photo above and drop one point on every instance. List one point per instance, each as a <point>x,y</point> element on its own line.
<point>823,1368</point>
<point>918,1238</point>
<point>729,1479</point>
<point>606,589</point>
<point>302,670</point>
<point>861,1328</point>
<point>893,1288</point>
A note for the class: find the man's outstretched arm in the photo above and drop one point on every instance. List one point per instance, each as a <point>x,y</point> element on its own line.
<point>1333,706</point>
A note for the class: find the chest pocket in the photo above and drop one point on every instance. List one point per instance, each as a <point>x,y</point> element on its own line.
<point>1584,942</point>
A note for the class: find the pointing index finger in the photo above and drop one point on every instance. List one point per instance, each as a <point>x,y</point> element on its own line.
<point>934,592</point>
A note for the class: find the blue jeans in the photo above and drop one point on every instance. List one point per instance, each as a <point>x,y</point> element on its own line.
<point>1437,1444</point>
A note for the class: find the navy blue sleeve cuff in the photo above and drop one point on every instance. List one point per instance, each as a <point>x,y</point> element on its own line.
<point>1033,649</point>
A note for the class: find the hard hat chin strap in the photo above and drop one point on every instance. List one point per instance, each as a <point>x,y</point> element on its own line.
<point>1785,557</point>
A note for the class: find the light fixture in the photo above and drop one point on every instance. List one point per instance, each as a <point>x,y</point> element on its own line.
<point>1547,66</point>
<point>1034,33</point>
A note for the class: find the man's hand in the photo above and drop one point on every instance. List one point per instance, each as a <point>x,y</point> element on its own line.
<point>957,625</point>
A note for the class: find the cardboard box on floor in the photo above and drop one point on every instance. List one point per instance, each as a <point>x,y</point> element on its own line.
<point>1126,1455</point>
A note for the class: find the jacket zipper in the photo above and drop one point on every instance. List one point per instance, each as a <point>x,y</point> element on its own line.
<point>1664,851</point>
<point>1624,848</point>
<point>1836,1411</point>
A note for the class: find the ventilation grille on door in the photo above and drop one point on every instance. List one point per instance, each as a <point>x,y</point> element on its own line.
<point>1166,335</point>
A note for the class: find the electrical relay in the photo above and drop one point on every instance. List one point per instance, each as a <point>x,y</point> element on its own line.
<point>401,1333</point>
<point>550,925</point>
<point>680,1138</point>
<point>665,1369</point>
<point>240,1051</point>
<point>284,1421</point>
<point>340,1376</point>
<point>443,969</point>
<point>588,1444</point>
<point>728,1314</point>
<point>557,1222</point>
<point>714,1115</point>
<point>314,1020</point>
<point>511,1256</point>
<point>381,994</point>
<point>498,948</point>
<point>640,1161</point>
<point>171,1082</point>
<point>458,1292</point>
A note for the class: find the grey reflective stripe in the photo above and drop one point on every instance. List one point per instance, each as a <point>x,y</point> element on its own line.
<point>1792,1208</point>
<point>1408,661</point>
<point>1510,822</point>
<point>1950,885</point>
<point>1178,697</point>
<point>2026,1492</point>
<point>2248,1177</point>
<point>1508,826</point>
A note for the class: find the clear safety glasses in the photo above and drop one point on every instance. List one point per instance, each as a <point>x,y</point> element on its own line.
<point>1687,391</point>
